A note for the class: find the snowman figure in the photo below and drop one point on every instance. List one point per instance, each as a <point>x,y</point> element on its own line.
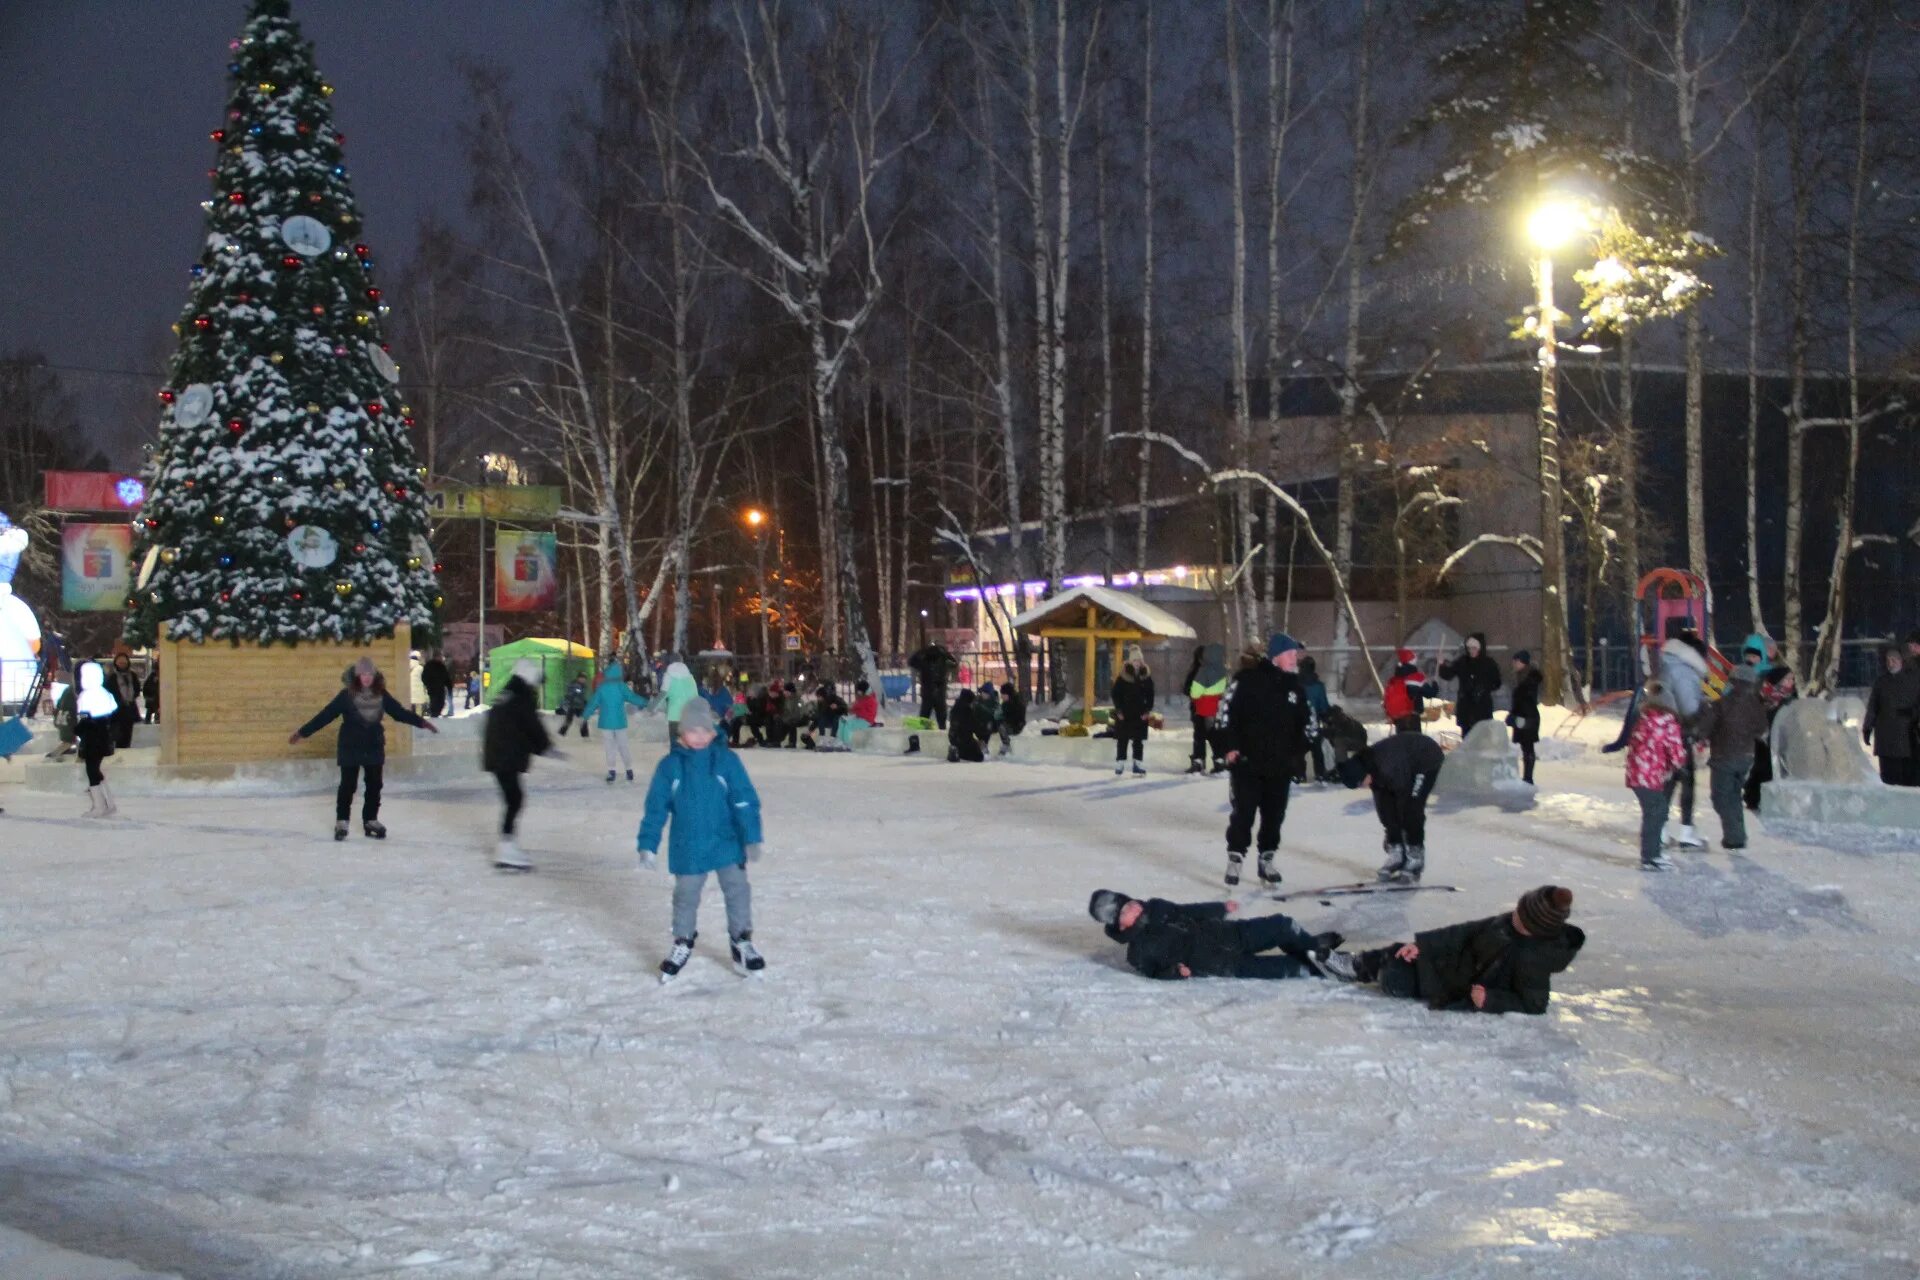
<point>19,632</point>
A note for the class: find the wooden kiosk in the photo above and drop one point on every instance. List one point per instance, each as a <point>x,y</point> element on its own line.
<point>227,703</point>
<point>1097,614</point>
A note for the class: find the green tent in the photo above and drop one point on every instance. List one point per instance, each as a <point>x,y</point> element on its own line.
<point>560,661</point>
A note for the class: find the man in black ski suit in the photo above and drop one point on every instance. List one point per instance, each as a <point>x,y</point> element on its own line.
<point>933,664</point>
<point>1401,769</point>
<point>1267,726</point>
<point>1174,940</point>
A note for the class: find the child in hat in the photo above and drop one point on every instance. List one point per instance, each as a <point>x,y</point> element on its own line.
<point>704,789</point>
<point>1524,717</point>
<point>1503,964</point>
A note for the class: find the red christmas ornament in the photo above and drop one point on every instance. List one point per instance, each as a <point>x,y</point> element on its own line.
<point>319,310</point>
<point>236,426</point>
<point>407,421</point>
<point>153,524</point>
<point>376,408</point>
<point>202,322</point>
<point>401,492</point>
<point>373,295</point>
<point>226,596</point>
<point>302,128</point>
<point>291,261</point>
<point>238,197</point>
<point>361,250</point>
<point>243,298</point>
<point>166,396</point>
<point>359,548</point>
<point>218,135</point>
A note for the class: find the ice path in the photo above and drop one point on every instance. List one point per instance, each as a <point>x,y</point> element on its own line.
<point>232,1048</point>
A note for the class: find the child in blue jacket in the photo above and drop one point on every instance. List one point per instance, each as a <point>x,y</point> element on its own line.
<point>608,708</point>
<point>704,788</point>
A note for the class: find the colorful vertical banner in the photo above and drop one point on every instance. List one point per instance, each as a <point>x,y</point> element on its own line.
<point>93,566</point>
<point>524,580</point>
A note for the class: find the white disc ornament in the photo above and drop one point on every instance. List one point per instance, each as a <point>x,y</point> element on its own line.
<point>306,236</point>
<point>193,404</point>
<point>312,547</point>
<point>382,362</point>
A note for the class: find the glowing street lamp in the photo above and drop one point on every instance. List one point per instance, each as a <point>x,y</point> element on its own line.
<point>1553,224</point>
<point>756,520</point>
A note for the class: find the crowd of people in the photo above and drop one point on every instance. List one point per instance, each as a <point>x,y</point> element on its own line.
<point>1267,726</point>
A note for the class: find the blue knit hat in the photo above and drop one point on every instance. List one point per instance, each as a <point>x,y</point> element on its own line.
<point>1280,642</point>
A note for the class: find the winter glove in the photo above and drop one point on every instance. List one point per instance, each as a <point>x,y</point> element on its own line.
<point>754,851</point>
<point>649,860</point>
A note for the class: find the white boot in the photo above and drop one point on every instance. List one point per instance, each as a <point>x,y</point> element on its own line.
<point>1689,838</point>
<point>107,807</point>
<point>508,857</point>
<point>93,803</point>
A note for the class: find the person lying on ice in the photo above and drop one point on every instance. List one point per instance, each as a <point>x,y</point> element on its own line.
<point>1196,940</point>
<point>1503,964</point>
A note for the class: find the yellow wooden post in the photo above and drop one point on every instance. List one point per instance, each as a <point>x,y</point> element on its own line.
<point>1086,711</point>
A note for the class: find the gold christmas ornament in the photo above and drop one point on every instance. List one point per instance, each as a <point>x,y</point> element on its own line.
<point>413,562</point>
<point>168,555</point>
<point>218,521</point>
<point>438,601</point>
<point>313,406</point>
<point>326,90</point>
<point>277,357</point>
<point>343,588</point>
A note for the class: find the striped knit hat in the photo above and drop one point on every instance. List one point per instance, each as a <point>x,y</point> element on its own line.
<point>1543,912</point>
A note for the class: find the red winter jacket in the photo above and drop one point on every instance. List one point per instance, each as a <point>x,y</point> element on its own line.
<point>867,707</point>
<point>1656,750</point>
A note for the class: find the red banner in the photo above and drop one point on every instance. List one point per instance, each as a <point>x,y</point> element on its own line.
<point>94,491</point>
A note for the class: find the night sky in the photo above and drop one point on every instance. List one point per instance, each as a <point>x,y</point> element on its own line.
<point>104,113</point>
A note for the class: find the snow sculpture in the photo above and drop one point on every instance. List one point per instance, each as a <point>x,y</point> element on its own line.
<point>1825,777</point>
<point>19,631</point>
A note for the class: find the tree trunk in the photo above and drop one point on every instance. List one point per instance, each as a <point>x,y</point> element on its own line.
<point>1797,345</point>
<point>1002,337</point>
<point>1279,118</point>
<point>1110,552</point>
<point>1145,462</point>
<point>1824,673</point>
<point>1063,264</point>
<point>1346,440</point>
<point>1244,604</point>
<point>1042,288</point>
<point>1755,278</point>
<point>1686,90</point>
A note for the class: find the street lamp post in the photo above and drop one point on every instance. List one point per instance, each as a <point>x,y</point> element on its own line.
<point>1551,226</point>
<point>757,521</point>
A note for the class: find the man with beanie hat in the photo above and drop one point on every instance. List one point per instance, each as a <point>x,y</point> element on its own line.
<point>1503,964</point>
<point>1174,940</point>
<point>1267,726</point>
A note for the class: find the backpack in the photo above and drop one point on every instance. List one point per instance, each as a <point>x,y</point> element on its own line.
<point>1398,702</point>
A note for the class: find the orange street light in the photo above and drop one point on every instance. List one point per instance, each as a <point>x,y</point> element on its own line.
<point>755,517</point>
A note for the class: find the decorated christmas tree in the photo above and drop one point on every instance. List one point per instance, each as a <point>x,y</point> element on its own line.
<point>284,500</point>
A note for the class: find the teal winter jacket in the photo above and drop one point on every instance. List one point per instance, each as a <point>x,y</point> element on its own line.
<point>715,812</point>
<point>609,703</point>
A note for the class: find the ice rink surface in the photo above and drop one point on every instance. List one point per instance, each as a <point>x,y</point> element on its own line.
<point>232,1048</point>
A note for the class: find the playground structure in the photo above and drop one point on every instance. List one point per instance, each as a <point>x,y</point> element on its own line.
<point>1667,596</point>
<point>1097,615</point>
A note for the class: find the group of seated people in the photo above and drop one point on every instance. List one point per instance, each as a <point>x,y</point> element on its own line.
<point>780,714</point>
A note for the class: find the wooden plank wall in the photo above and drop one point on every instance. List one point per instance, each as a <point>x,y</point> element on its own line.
<point>223,703</point>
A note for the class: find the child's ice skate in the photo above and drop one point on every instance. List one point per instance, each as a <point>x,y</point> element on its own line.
<point>1268,876</point>
<point>1233,869</point>
<point>374,830</point>
<point>676,960</point>
<point>340,829</point>
<point>746,957</point>
<point>1396,860</point>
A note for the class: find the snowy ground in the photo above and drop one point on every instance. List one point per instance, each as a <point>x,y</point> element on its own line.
<point>231,1048</point>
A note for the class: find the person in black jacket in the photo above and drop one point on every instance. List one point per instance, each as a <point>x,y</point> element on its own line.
<point>1173,940</point>
<point>361,707</point>
<point>1267,726</point>
<point>439,681</point>
<point>1478,679</point>
<point>1524,717</point>
<point>1132,698</point>
<point>1503,964</point>
<point>1401,769</point>
<point>934,665</point>
<point>514,736</point>
<point>963,743</point>
<point>1888,726</point>
<point>150,692</point>
<point>123,682</point>
<point>1013,715</point>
